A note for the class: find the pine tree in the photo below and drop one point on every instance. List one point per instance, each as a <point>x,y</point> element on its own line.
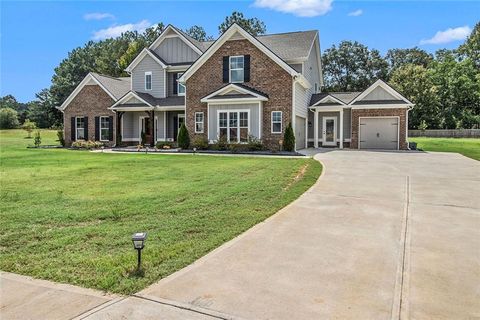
<point>289,139</point>
<point>183,138</point>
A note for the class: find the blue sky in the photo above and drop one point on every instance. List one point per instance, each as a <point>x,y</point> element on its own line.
<point>36,36</point>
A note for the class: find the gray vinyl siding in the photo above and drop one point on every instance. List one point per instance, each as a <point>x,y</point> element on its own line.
<point>347,124</point>
<point>213,119</point>
<point>175,50</point>
<point>130,129</point>
<point>160,125</point>
<point>138,77</point>
<point>379,94</point>
<point>297,67</point>
<point>311,69</point>
<point>302,99</point>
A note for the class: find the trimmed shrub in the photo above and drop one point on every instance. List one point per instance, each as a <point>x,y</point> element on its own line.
<point>61,139</point>
<point>200,143</point>
<point>289,138</point>
<point>255,144</point>
<point>8,118</point>
<point>165,145</point>
<point>38,139</point>
<point>221,144</point>
<point>82,144</point>
<point>183,138</point>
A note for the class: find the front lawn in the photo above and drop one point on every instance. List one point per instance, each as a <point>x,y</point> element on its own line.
<point>68,215</point>
<point>468,147</point>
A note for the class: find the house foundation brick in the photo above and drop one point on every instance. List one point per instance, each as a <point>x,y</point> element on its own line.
<point>398,112</point>
<point>265,76</point>
<point>92,101</point>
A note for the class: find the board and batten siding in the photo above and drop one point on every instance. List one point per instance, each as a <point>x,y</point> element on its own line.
<point>175,50</point>
<point>378,94</point>
<point>254,120</point>
<point>158,75</point>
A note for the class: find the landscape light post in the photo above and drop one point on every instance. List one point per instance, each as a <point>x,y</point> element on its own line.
<point>138,240</point>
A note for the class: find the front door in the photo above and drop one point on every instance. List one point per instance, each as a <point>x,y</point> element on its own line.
<point>329,131</point>
<point>145,128</point>
<point>179,120</point>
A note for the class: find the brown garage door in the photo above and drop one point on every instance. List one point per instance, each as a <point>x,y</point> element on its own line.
<point>379,133</point>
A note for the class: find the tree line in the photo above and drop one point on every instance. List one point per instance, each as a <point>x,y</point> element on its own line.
<point>445,86</point>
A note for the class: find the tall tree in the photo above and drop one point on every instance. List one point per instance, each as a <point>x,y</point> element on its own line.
<point>398,58</point>
<point>471,47</point>
<point>415,83</point>
<point>198,33</point>
<point>352,67</point>
<point>253,25</point>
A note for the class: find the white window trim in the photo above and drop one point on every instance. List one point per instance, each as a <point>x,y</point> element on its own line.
<point>179,74</point>
<point>281,122</point>
<point>202,122</point>
<point>100,129</point>
<point>230,69</point>
<point>149,73</point>
<point>237,111</point>
<point>76,128</point>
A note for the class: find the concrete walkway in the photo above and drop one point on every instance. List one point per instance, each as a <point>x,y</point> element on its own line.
<point>382,235</point>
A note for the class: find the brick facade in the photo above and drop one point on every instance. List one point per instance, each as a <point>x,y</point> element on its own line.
<point>265,75</point>
<point>92,101</point>
<point>400,112</point>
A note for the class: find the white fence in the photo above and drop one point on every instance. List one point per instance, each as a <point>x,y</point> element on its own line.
<point>446,133</point>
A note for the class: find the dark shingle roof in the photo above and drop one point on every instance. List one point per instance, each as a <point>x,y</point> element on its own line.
<point>345,97</point>
<point>118,87</point>
<point>231,96</point>
<point>363,102</point>
<point>162,102</point>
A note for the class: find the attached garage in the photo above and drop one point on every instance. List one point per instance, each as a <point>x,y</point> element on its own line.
<point>379,133</point>
<point>300,124</point>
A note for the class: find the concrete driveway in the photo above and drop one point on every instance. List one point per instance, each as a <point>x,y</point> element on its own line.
<point>381,235</point>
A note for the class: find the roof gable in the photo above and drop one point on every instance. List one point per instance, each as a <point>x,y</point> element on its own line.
<point>235,91</point>
<point>236,30</point>
<point>145,52</point>
<point>114,87</point>
<point>380,91</point>
<point>171,31</point>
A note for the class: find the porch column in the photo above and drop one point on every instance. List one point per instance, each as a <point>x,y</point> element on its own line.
<point>341,128</point>
<point>152,129</point>
<point>315,129</point>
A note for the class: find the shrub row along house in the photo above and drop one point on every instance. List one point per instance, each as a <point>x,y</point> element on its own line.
<point>236,87</point>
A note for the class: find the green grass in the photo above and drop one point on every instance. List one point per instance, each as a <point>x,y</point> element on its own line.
<point>68,215</point>
<point>468,147</point>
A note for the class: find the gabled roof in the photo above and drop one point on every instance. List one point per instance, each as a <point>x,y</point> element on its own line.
<point>194,44</point>
<point>235,91</point>
<point>232,30</point>
<point>114,87</point>
<point>149,102</point>
<point>142,55</point>
<point>356,99</point>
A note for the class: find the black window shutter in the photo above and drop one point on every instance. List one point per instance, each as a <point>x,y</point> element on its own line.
<point>86,128</point>
<point>110,128</point>
<point>175,84</point>
<point>246,70</point>
<point>72,136</point>
<point>226,68</point>
<point>97,128</point>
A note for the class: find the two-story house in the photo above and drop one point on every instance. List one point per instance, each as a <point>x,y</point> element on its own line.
<point>234,87</point>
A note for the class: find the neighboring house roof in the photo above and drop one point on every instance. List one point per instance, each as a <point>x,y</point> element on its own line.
<point>235,91</point>
<point>114,87</point>
<point>361,99</point>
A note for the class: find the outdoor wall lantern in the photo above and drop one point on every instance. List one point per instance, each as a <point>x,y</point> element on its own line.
<point>138,240</point>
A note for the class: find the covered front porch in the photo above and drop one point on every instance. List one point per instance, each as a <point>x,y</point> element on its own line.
<point>154,119</point>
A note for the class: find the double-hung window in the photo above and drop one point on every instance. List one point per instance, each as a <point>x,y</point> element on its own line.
<point>233,126</point>
<point>80,128</point>
<point>198,122</point>
<point>236,69</point>
<point>276,121</point>
<point>104,128</point>
<point>180,87</point>
<point>148,80</point>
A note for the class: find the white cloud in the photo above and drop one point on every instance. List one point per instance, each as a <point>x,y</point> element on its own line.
<point>116,30</point>
<point>301,8</point>
<point>98,16</point>
<point>356,13</point>
<point>449,35</point>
